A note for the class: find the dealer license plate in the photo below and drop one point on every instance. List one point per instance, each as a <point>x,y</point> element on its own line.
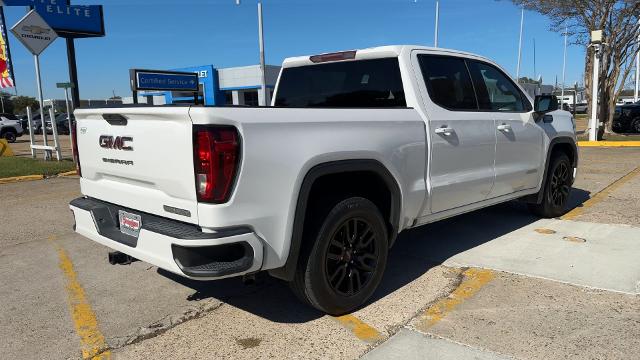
<point>130,224</point>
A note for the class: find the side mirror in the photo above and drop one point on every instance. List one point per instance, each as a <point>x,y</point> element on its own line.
<point>545,103</point>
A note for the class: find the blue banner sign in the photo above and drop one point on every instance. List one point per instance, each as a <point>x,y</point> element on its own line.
<point>72,20</point>
<point>163,80</point>
<point>66,20</point>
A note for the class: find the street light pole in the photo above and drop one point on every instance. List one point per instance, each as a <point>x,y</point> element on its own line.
<point>635,93</point>
<point>593,122</point>
<point>564,64</point>
<point>263,78</point>
<point>435,40</point>
<point>520,45</point>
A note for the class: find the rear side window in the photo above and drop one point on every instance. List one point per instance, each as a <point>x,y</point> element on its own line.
<point>448,82</point>
<point>496,92</point>
<point>362,83</point>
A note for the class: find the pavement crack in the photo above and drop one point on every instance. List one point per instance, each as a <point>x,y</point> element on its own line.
<point>163,325</point>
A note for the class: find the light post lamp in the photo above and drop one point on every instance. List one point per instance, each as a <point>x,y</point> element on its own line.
<point>596,43</point>
<point>520,45</point>
<point>435,40</point>
<point>263,79</point>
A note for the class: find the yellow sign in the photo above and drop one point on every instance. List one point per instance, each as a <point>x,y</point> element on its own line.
<point>5,150</point>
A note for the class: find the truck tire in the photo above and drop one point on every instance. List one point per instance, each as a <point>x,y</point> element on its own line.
<point>345,264</point>
<point>635,126</point>
<point>10,135</point>
<point>557,187</point>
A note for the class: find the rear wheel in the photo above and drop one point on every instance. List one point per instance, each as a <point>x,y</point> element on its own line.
<point>10,135</point>
<point>345,264</point>
<point>557,188</point>
<point>635,126</point>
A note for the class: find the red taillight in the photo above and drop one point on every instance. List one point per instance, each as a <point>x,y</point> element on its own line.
<point>74,140</point>
<point>215,158</point>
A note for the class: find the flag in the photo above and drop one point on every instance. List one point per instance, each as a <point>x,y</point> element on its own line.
<point>6,69</point>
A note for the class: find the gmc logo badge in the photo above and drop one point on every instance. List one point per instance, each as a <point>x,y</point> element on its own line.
<point>116,143</point>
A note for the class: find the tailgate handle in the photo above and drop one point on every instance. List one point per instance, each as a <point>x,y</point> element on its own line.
<point>115,119</point>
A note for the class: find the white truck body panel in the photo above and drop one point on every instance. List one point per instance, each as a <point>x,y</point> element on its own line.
<point>438,176</point>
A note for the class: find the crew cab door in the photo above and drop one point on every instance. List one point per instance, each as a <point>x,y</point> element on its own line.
<point>462,139</point>
<point>518,138</point>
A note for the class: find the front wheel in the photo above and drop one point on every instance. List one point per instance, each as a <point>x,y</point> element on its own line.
<point>635,126</point>
<point>10,136</point>
<point>557,188</point>
<point>344,266</point>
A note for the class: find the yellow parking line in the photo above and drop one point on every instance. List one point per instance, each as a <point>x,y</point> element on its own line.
<point>474,280</point>
<point>360,329</point>
<point>84,319</point>
<point>603,194</point>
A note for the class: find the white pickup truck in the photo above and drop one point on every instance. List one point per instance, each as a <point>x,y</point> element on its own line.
<point>357,147</point>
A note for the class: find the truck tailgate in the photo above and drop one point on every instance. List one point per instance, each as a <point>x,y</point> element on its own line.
<point>140,158</point>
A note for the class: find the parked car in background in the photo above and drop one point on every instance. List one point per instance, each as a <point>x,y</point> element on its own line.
<point>10,127</point>
<point>63,124</point>
<point>626,118</point>
<point>581,108</point>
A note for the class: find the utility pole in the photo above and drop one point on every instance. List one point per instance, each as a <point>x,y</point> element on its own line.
<point>635,93</point>
<point>564,64</point>
<point>520,45</point>
<point>435,40</point>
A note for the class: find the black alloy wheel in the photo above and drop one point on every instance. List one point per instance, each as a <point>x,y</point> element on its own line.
<point>635,126</point>
<point>560,185</point>
<point>351,257</point>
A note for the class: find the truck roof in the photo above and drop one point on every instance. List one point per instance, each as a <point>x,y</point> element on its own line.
<point>380,52</point>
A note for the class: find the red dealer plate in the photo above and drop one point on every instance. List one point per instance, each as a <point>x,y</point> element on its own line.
<point>130,224</point>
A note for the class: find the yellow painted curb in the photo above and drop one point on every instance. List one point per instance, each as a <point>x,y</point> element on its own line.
<point>609,143</point>
<point>21,178</point>
<point>68,173</point>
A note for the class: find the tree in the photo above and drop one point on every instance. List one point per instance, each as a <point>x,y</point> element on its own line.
<point>619,20</point>
<point>20,104</point>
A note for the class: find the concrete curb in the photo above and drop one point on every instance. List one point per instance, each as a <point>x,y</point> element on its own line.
<point>15,179</point>
<point>609,143</point>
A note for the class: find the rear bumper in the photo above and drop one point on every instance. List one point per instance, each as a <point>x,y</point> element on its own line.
<point>180,248</point>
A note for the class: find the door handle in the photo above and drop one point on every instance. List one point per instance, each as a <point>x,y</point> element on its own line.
<point>504,127</point>
<point>446,131</point>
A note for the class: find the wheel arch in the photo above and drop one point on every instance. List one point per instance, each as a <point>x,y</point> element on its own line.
<point>564,144</point>
<point>337,168</point>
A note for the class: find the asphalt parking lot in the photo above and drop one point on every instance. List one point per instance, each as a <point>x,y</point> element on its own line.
<point>493,284</point>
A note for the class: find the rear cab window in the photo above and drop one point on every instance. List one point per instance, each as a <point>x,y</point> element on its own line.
<point>375,83</point>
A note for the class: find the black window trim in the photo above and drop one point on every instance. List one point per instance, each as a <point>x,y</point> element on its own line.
<point>477,109</point>
<point>525,99</point>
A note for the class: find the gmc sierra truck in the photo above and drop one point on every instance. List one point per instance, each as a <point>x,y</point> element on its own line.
<point>357,147</point>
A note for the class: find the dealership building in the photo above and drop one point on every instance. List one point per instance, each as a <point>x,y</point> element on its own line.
<point>223,86</point>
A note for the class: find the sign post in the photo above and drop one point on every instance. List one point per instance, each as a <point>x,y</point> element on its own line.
<point>36,35</point>
<point>66,87</point>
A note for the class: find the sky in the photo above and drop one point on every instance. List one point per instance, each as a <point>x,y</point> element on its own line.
<point>163,34</point>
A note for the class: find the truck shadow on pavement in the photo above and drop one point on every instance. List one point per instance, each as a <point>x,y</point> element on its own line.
<point>415,252</point>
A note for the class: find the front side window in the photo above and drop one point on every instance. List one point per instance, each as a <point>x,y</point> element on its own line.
<point>361,83</point>
<point>448,82</point>
<point>496,92</point>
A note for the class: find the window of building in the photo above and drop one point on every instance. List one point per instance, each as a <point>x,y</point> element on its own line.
<point>228,97</point>
<point>448,82</point>
<point>251,97</point>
